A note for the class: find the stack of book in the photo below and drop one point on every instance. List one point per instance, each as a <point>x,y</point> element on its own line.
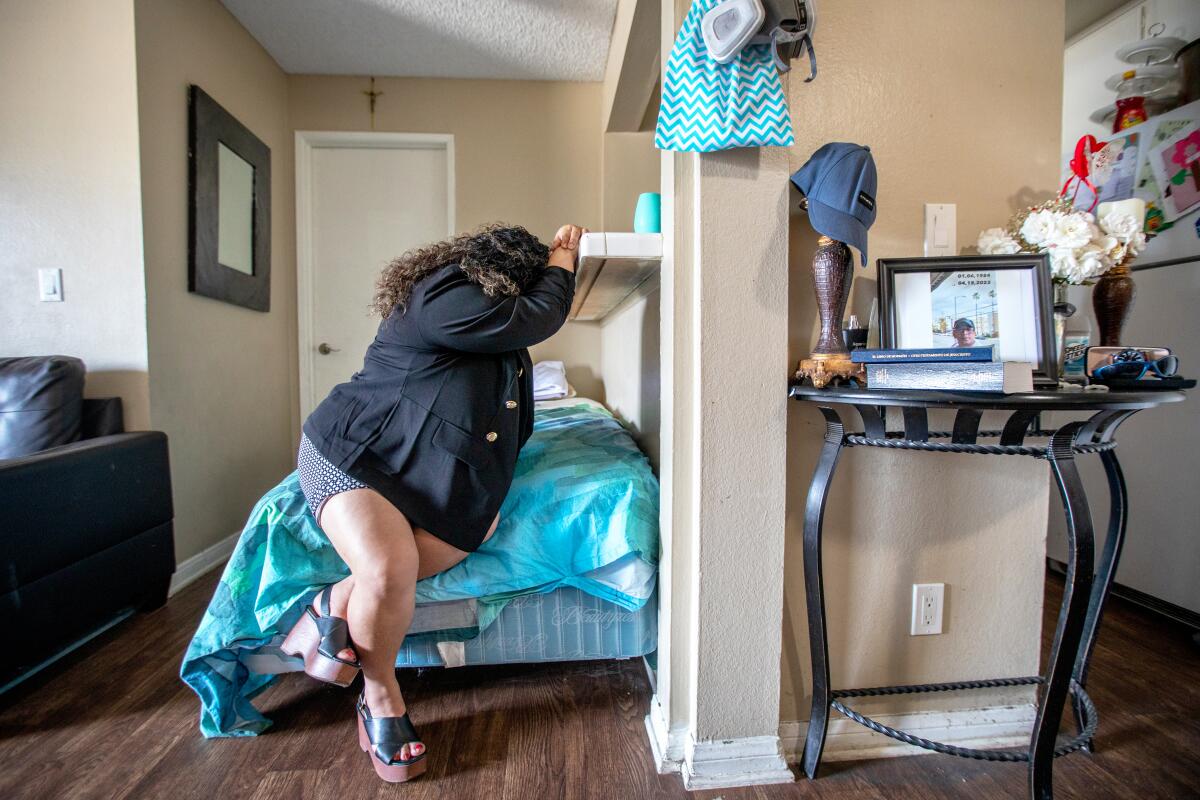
<point>953,369</point>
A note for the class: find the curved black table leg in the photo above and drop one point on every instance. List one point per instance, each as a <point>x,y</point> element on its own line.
<point>1117,520</point>
<point>1071,616</point>
<point>814,593</point>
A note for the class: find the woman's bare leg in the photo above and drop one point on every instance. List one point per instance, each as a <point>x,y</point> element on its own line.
<point>377,543</point>
<point>437,556</point>
<point>357,527</point>
<point>434,555</point>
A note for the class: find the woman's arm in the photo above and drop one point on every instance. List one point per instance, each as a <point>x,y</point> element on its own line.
<point>456,314</point>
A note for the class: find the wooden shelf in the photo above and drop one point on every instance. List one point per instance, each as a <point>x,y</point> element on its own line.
<point>612,266</point>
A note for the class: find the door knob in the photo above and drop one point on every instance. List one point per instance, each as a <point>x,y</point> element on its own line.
<point>324,349</point>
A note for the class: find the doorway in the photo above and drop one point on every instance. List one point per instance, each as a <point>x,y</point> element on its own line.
<point>361,200</point>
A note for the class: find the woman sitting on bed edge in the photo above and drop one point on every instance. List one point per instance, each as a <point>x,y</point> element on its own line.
<point>405,466</point>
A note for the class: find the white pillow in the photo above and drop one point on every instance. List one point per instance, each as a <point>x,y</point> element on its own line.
<point>549,380</point>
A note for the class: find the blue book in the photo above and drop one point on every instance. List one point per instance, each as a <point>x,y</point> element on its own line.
<point>928,355</point>
<point>1008,377</point>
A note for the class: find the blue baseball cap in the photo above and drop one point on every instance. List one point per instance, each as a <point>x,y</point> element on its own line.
<point>840,183</point>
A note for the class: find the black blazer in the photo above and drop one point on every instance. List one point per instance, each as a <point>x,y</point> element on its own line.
<point>444,401</point>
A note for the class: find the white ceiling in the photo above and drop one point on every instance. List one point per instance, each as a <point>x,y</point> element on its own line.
<point>513,39</point>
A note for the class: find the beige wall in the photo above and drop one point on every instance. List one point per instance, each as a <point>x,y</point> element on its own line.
<point>629,336</point>
<point>69,195</point>
<point>223,381</point>
<point>741,275</point>
<point>631,166</point>
<point>526,152</point>
<point>959,103</point>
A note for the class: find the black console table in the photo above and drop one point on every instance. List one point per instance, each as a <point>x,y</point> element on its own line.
<point>1087,582</point>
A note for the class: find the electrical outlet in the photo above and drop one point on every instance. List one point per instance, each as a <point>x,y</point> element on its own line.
<point>927,603</point>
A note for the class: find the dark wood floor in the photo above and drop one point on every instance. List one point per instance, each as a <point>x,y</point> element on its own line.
<point>113,720</point>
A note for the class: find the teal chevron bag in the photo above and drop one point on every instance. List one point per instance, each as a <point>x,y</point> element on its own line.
<point>708,106</point>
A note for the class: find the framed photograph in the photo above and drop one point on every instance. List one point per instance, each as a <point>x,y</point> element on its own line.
<point>972,301</point>
<point>229,207</point>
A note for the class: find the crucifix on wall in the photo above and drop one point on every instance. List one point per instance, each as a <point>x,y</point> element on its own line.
<point>371,97</point>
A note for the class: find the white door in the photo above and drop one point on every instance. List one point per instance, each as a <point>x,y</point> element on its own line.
<point>361,200</point>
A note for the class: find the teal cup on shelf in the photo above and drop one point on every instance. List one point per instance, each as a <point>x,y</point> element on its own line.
<point>647,217</point>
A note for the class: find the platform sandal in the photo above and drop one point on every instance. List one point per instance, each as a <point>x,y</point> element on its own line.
<point>381,738</point>
<point>318,640</point>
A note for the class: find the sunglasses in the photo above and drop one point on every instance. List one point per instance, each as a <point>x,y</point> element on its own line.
<point>1133,365</point>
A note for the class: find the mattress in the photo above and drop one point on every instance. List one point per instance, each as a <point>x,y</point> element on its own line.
<point>566,624</point>
<point>630,578</point>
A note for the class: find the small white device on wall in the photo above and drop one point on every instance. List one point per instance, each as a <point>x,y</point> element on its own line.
<point>941,237</point>
<point>927,603</point>
<point>50,285</point>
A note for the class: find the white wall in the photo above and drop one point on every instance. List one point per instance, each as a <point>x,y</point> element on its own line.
<point>69,191</point>
<point>1090,58</point>
<point>1159,450</point>
<point>1159,447</point>
<point>630,364</point>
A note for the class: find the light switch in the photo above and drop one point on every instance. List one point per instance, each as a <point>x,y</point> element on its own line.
<point>50,288</point>
<point>940,229</point>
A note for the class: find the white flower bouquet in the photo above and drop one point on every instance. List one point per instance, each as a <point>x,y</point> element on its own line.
<point>1082,247</point>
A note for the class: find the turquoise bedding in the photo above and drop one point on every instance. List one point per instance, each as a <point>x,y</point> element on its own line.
<point>583,499</point>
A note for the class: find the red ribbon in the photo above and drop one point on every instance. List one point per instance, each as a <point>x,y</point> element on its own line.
<point>1081,167</point>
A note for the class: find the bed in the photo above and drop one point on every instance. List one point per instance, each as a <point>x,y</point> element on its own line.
<point>570,574</point>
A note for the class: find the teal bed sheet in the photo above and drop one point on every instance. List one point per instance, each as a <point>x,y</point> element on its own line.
<point>583,497</point>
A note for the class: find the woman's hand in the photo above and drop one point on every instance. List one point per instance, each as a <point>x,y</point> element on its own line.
<point>568,237</point>
<point>564,249</point>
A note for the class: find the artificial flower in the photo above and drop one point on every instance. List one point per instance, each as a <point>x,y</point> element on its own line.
<point>1123,226</point>
<point>1104,243</point>
<point>1093,262</point>
<point>1136,244</point>
<point>1038,227</point>
<point>1081,249</point>
<point>1064,266</point>
<point>1071,230</point>
<point>997,242</point>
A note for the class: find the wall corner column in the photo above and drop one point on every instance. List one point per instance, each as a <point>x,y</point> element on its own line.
<point>724,345</point>
<point>739,281</point>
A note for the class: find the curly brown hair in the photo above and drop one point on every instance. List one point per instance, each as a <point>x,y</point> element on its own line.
<point>501,258</point>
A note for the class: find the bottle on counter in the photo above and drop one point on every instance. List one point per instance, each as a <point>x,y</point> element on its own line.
<point>1131,100</point>
<point>1076,339</point>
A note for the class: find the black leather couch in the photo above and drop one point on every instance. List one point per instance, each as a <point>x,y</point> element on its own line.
<point>86,531</point>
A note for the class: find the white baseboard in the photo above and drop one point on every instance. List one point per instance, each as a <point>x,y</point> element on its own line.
<point>722,763</point>
<point>207,559</point>
<point>846,740</point>
<point>666,745</point>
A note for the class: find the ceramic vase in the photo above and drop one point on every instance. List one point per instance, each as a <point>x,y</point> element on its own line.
<point>833,271</point>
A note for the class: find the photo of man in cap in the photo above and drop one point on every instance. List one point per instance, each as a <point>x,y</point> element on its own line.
<point>963,332</point>
<point>964,309</point>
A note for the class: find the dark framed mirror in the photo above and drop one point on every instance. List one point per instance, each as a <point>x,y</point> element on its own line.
<point>229,209</point>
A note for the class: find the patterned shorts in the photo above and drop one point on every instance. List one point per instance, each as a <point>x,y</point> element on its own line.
<point>320,479</point>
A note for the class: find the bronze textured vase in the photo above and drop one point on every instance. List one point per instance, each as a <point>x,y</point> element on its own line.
<point>1112,299</point>
<point>833,272</point>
